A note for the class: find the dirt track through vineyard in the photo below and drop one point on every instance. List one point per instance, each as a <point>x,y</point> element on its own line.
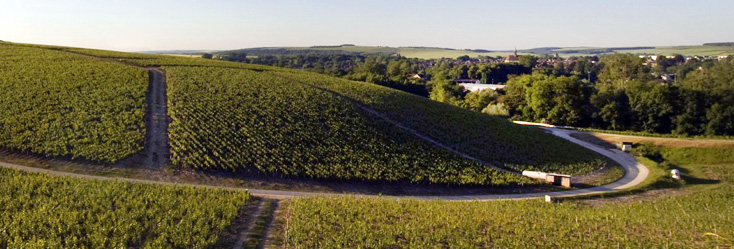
<point>156,121</point>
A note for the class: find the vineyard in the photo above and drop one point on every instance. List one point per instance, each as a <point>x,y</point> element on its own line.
<point>700,215</point>
<point>238,119</point>
<point>59,104</point>
<point>41,211</point>
<point>488,138</point>
<point>242,117</point>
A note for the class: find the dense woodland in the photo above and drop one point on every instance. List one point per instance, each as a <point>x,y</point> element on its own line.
<point>617,92</point>
<point>627,96</point>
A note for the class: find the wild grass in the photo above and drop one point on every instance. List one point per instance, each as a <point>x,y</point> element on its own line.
<point>699,215</point>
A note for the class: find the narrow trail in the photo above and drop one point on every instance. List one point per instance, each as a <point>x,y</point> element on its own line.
<point>251,222</point>
<point>266,242</point>
<point>156,120</point>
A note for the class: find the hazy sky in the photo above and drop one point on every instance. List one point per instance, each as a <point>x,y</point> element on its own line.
<point>135,25</point>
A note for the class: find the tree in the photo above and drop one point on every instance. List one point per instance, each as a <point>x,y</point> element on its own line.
<point>721,120</point>
<point>622,68</point>
<point>613,108</point>
<point>447,92</point>
<point>207,56</point>
<point>652,105</point>
<point>692,118</point>
<point>538,97</point>
<point>477,101</point>
<point>528,61</point>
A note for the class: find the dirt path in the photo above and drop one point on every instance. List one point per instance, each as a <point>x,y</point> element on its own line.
<point>664,141</point>
<point>265,240</point>
<point>156,121</point>
<point>245,234</point>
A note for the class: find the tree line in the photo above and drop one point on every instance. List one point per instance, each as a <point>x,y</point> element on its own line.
<point>626,97</point>
<point>617,92</point>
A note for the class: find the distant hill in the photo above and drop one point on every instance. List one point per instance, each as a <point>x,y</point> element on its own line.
<point>707,49</point>
<point>723,44</point>
<point>178,51</point>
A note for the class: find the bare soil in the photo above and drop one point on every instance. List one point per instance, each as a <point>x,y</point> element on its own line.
<point>613,139</point>
<point>156,121</point>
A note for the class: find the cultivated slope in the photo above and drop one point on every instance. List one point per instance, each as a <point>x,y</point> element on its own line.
<point>60,104</point>
<point>237,116</point>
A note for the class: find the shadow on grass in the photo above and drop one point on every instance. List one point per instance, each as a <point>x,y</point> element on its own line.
<point>587,137</point>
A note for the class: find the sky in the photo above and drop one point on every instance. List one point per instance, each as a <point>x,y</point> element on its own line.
<point>138,25</point>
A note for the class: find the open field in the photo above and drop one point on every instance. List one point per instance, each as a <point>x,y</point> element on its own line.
<point>437,53</point>
<point>700,213</point>
<point>687,50</point>
<point>42,211</point>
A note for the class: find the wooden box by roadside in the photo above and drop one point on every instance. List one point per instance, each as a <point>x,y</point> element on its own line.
<point>559,179</point>
<point>625,146</point>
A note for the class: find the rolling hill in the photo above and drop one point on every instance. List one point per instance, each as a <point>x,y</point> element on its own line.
<point>241,117</point>
<point>707,49</point>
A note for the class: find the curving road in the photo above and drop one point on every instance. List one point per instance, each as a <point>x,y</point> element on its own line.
<point>635,173</point>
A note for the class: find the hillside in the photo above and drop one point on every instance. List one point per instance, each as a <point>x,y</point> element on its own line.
<point>708,49</point>
<point>235,117</point>
<point>59,104</point>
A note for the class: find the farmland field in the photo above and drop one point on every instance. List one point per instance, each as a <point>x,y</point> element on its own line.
<point>240,119</point>
<point>488,138</point>
<point>59,104</point>
<point>42,211</point>
<point>700,214</point>
<point>437,53</point>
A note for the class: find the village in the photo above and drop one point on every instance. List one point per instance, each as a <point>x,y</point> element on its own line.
<point>540,63</point>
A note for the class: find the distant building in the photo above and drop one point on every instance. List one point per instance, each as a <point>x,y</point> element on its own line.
<point>513,58</point>
<point>667,77</point>
<point>475,87</point>
<point>467,81</point>
<point>415,76</point>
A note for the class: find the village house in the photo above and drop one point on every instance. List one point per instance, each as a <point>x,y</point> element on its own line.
<point>475,87</point>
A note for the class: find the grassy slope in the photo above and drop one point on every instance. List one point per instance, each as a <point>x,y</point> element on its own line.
<point>490,139</point>
<point>41,211</point>
<point>701,215</point>
<point>60,104</point>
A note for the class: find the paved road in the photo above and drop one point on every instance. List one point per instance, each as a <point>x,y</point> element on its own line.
<point>635,173</point>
